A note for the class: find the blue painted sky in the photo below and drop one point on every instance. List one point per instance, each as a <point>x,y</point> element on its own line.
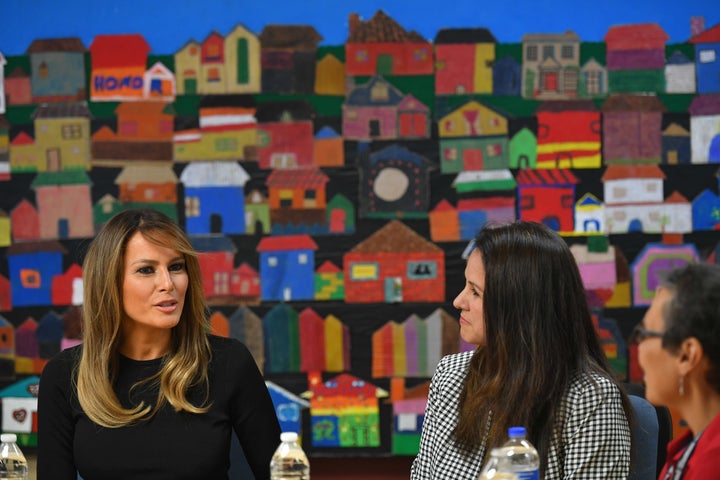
<point>168,24</point>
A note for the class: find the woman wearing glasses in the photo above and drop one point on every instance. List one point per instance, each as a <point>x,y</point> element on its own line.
<point>679,352</point>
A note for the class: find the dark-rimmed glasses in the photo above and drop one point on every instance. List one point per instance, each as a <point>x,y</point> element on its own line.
<point>640,334</point>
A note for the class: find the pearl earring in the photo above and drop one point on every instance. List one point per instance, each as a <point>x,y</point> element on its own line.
<point>681,387</point>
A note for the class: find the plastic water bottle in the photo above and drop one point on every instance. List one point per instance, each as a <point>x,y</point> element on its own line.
<point>498,467</point>
<point>289,461</point>
<point>13,463</point>
<point>521,455</point>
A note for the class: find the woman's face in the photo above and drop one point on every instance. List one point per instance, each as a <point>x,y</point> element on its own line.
<point>659,365</point>
<point>470,301</point>
<point>154,284</point>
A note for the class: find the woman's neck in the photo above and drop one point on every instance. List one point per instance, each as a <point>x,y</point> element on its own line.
<point>701,408</point>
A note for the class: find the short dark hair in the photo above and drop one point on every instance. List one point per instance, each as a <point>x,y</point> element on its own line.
<point>694,311</point>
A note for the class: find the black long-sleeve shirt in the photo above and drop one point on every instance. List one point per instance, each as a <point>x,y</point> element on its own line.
<point>171,445</point>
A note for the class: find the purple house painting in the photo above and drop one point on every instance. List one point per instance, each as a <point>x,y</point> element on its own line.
<point>654,259</point>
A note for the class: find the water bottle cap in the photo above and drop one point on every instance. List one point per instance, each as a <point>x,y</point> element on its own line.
<point>514,432</point>
<point>288,437</point>
<point>8,438</point>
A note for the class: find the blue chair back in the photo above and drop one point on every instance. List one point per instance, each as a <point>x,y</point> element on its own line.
<point>646,434</point>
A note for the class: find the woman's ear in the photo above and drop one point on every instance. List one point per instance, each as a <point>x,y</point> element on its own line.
<point>690,355</point>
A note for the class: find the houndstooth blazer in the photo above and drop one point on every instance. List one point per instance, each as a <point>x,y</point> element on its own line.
<point>590,440</point>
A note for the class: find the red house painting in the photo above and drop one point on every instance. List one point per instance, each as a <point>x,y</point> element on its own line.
<point>547,196</point>
<point>568,134</point>
<point>380,46</point>
<point>394,264</point>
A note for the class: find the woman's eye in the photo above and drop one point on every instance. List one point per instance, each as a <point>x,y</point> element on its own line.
<point>177,267</point>
<point>145,270</point>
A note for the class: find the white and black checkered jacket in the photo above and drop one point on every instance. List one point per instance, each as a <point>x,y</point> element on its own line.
<point>591,437</point>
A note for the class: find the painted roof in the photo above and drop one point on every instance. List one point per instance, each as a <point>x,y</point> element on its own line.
<point>299,37</point>
<point>206,174</point>
<point>299,177</point>
<point>397,152</point>
<point>395,236</point>
<point>212,243</point>
<point>362,94</point>
<point>705,105</point>
<point>616,172</point>
<point>380,29</point>
<point>635,103</point>
<point>119,50</point>
<point>62,110</point>
<point>286,243</point>
<point>637,36</point>
<point>710,35</point>
<point>567,106</point>
<point>549,176</point>
<point>464,36</point>
<point>69,44</point>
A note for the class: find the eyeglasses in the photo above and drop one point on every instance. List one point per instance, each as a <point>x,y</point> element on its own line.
<point>640,334</point>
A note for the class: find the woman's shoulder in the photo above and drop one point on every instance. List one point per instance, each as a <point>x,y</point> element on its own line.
<point>226,346</point>
<point>588,384</point>
<point>62,364</point>
<point>454,363</point>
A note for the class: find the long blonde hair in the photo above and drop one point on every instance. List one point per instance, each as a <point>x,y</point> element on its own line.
<point>184,367</point>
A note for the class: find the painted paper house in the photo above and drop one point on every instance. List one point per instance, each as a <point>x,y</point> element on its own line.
<point>285,134</point>
<point>246,326</point>
<point>32,267</point>
<point>330,78</point>
<point>25,221</point>
<point>345,412</point>
<point>550,65</point>
<point>214,197</point>
<point>706,210</point>
<point>287,267</point>
<point>64,204</point>
<point>257,213</point>
<point>507,77</point>
<point>394,182</point>
<point>67,288</point>
<point>676,145</point>
<point>380,46</point>
<point>281,334</point>
<point>547,196</point>
<point>590,215</point>
<point>5,296</point>
<point>705,128</point>
<point>149,186</point>
<point>568,134</point>
<point>340,215</point>
<point>464,59</point>
<point>378,110</point>
<point>324,343</point>
<point>593,79</point>
<point>288,407</point>
<point>220,65</point>
<point>328,148</point>
<point>707,60</point>
<point>62,140</point>
<point>523,149</point>
<point>144,134</point>
<point>118,63</point>
<point>27,350</point>
<point>679,74</point>
<point>596,262</point>
<point>159,83</point>
<point>298,201</point>
<point>633,196</point>
<point>635,58</point>
<point>227,130</point>
<point>408,416</point>
<point>394,264</point>
<point>18,89</point>
<point>288,56</point>
<point>329,282</point>
<point>57,70</point>
<point>652,261</point>
<point>632,129</point>
<point>473,137</point>
<point>19,410</point>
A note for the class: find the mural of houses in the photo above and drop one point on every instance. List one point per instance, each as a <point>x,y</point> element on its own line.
<point>394,182</point>
<point>380,46</point>
<point>288,407</point>
<point>707,59</point>
<point>227,130</point>
<point>329,282</point>
<point>32,267</point>
<point>288,56</point>
<point>297,200</point>
<point>551,65</point>
<point>547,196</point>
<point>58,70</point>
<point>118,64</point>
<point>345,412</point>
<point>144,133</point>
<point>675,145</point>
<point>507,77</point>
<point>223,284</point>
<point>62,140</point>
<point>473,137</point>
<point>19,410</point>
<point>705,128</point>
<point>220,65</point>
<point>287,267</point>
<point>654,259</point>
<point>679,74</point>
<point>394,264</point>
<point>64,204</point>
<point>285,134</point>
<point>214,197</point>
<point>378,110</point>
<point>464,59</point>
<point>568,134</point>
<point>632,126</point>
<point>149,186</point>
<point>635,58</point>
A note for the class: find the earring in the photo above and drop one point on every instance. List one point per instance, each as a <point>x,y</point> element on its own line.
<point>681,387</point>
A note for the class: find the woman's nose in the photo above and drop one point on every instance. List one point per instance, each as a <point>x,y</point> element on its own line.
<point>166,281</point>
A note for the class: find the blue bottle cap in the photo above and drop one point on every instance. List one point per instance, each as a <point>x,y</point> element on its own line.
<point>514,432</point>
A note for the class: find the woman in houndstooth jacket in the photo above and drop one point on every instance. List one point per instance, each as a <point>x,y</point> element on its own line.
<point>538,363</point>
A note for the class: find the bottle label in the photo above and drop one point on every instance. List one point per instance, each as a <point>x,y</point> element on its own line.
<point>531,475</point>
